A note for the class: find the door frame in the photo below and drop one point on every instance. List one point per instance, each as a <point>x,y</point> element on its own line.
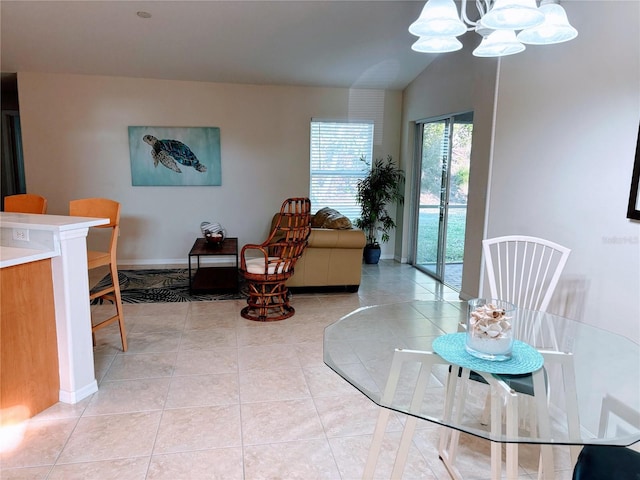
<point>416,189</point>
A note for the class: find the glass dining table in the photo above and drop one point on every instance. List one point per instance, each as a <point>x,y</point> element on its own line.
<point>591,395</point>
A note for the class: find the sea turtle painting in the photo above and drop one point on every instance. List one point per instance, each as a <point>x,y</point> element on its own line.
<point>168,152</point>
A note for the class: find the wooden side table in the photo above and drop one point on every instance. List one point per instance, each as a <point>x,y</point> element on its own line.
<point>213,278</point>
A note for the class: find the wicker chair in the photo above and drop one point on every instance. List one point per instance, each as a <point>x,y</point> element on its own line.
<point>267,266</point>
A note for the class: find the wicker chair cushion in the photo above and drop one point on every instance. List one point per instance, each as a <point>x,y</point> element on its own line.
<point>256,266</point>
<point>330,218</point>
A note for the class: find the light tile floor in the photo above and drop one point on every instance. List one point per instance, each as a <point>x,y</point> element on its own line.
<point>204,394</point>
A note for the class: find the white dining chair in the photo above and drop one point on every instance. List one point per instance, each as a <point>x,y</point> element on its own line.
<point>525,271</point>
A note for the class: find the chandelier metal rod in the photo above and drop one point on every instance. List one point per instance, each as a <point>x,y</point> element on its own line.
<point>483,7</point>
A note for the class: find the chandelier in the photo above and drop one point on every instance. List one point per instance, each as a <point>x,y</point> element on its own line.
<point>439,24</point>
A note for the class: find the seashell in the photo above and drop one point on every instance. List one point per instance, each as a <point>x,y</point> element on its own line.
<point>489,321</point>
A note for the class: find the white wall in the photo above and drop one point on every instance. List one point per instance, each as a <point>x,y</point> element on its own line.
<point>566,126</point>
<point>76,145</point>
<point>454,83</point>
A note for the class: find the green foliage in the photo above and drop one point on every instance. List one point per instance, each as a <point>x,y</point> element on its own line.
<point>435,144</point>
<point>428,236</point>
<point>433,157</point>
<point>383,186</point>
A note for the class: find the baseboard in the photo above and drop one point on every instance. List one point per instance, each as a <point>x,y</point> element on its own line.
<point>77,395</point>
<point>176,262</point>
<point>159,262</point>
<point>465,296</point>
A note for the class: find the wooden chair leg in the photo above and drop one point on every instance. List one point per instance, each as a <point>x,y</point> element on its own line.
<point>119,308</point>
<point>113,295</point>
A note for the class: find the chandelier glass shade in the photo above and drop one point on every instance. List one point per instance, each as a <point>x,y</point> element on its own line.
<point>438,18</point>
<point>499,43</point>
<point>513,15</point>
<point>555,29</point>
<point>441,44</point>
<point>498,22</point>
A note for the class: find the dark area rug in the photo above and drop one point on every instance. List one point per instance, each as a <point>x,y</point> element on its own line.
<point>163,285</point>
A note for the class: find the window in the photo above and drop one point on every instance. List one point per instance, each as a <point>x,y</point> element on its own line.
<point>336,150</point>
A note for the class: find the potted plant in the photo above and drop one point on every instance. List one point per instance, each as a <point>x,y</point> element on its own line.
<point>381,187</point>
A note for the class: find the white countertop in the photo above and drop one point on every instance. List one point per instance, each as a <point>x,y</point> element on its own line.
<point>57,223</point>
<point>10,256</point>
<point>17,253</point>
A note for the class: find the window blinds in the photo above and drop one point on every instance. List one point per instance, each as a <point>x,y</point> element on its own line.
<point>336,150</point>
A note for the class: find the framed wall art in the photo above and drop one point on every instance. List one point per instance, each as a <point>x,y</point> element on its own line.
<point>633,211</point>
<point>175,156</point>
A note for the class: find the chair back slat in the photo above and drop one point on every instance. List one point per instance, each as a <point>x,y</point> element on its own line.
<point>293,225</point>
<point>524,270</point>
<point>100,208</point>
<point>25,203</point>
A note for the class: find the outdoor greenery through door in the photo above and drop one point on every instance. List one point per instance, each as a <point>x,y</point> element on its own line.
<point>443,160</point>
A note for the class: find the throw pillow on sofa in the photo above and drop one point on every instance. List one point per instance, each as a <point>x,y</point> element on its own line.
<point>330,218</point>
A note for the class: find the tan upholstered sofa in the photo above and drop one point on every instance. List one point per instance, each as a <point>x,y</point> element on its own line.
<point>332,260</point>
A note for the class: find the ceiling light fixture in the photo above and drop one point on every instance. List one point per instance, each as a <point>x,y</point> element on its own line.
<point>439,24</point>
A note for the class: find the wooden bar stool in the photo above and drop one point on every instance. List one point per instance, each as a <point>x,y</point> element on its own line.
<point>104,208</point>
<point>25,203</point>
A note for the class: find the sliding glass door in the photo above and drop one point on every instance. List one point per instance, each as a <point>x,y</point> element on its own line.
<point>442,158</point>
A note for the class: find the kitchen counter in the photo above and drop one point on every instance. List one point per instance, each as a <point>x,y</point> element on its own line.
<point>39,241</point>
<point>10,256</point>
<point>26,239</point>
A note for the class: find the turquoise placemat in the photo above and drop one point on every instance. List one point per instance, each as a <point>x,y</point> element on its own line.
<point>524,359</point>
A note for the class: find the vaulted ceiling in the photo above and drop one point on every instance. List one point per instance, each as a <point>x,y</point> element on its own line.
<point>332,43</point>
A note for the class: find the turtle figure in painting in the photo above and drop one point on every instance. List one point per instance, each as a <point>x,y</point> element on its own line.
<point>168,152</point>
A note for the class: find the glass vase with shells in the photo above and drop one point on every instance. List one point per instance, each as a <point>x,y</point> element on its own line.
<point>490,329</point>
